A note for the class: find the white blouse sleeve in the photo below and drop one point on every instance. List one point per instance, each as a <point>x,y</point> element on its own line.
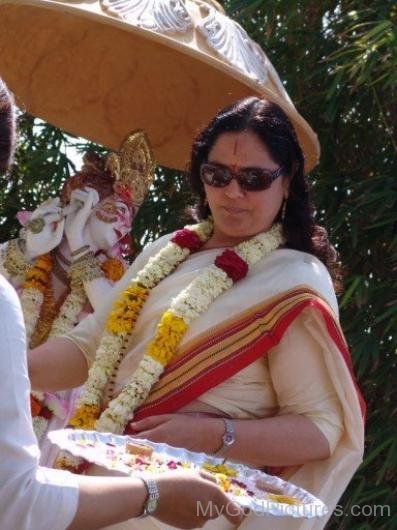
<point>30,497</point>
<point>301,381</point>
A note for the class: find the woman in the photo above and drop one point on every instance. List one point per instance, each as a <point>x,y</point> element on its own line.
<point>32,497</point>
<point>224,337</point>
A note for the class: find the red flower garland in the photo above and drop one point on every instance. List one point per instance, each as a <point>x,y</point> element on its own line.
<point>231,263</point>
<point>187,239</point>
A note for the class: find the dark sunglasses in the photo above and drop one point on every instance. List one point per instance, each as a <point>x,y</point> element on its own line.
<point>248,178</point>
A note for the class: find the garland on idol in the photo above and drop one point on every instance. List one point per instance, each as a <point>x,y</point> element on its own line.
<point>36,289</point>
<point>36,280</point>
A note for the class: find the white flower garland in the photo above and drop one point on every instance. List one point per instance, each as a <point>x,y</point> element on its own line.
<point>187,306</point>
<point>31,302</point>
<point>68,312</point>
<point>157,268</point>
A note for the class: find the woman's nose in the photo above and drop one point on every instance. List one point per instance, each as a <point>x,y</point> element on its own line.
<point>233,189</point>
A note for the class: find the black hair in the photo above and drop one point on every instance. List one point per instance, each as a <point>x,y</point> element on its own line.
<point>272,126</point>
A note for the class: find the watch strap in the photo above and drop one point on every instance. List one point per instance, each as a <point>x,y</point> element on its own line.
<point>152,498</point>
<point>228,438</point>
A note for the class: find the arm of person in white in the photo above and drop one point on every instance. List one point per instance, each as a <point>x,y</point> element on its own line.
<point>37,498</point>
<point>26,492</point>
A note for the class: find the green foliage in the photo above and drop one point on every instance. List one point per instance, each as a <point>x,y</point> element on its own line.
<point>338,60</point>
<point>339,63</point>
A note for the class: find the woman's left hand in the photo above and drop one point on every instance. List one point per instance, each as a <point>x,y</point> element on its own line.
<point>181,430</point>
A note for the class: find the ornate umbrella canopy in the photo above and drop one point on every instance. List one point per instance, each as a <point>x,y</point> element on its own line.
<point>101,68</point>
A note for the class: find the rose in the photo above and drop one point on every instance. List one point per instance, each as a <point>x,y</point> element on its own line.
<point>231,263</point>
<point>186,238</point>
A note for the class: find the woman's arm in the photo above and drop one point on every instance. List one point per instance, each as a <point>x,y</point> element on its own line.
<point>309,421</point>
<point>279,441</point>
<point>57,365</point>
<point>63,362</point>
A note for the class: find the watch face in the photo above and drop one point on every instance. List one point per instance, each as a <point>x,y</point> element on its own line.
<point>228,439</point>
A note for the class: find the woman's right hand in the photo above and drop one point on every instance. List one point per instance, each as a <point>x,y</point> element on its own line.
<point>189,500</point>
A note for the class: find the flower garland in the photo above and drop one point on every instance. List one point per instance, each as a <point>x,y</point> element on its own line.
<point>13,264</point>
<point>33,289</point>
<point>35,281</point>
<point>229,267</point>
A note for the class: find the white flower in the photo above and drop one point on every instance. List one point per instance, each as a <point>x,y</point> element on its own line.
<point>37,394</point>
<point>31,301</point>
<point>69,312</point>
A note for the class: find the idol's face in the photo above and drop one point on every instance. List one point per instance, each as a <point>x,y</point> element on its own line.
<point>109,222</point>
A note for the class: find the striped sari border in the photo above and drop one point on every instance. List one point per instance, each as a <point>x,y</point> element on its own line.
<point>209,360</point>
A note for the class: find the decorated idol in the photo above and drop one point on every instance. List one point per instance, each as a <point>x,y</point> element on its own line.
<point>70,250</point>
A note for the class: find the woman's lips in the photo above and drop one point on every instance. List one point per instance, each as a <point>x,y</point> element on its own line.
<point>234,210</point>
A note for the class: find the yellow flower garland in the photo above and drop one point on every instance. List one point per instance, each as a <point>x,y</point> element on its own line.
<point>170,331</point>
<point>126,309</point>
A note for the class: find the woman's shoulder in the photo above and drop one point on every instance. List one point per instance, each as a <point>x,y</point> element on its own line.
<point>303,269</point>
<point>305,263</point>
<point>155,246</point>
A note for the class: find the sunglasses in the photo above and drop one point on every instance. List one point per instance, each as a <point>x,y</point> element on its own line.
<point>248,178</point>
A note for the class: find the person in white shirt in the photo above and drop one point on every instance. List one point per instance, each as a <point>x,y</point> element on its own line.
<point>37,498</point>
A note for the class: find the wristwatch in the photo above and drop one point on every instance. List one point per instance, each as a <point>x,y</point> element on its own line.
<point>228,438</point>
<point>153,497</point>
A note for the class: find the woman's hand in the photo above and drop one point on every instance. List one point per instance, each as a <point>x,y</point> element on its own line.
<point>82,201</point>
<point>44,230</point>
<point>189,500</point>
<point>182,430</point>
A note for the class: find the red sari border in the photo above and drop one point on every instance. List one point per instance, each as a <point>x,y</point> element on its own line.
<point>219,371</point>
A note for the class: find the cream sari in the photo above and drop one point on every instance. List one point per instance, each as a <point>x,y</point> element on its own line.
<point>281,318</point>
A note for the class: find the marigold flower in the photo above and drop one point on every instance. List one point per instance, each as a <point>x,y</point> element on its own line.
<point>35,406</point>
<point>85,417</point>
<point>170,331</point>
<point>113,269</point>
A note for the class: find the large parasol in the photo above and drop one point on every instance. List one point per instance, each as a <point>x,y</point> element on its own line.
<point>101,68</point>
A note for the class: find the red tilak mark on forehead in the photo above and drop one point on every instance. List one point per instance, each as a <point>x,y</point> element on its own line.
<point>233,165</point>
<point>235,147</point>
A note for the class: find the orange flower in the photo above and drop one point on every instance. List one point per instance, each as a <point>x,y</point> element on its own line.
<point>113,269</point>
<point>35,406</point>
<point>39,275</point>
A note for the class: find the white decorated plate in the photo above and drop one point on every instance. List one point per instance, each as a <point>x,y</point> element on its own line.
<point>251,488</point>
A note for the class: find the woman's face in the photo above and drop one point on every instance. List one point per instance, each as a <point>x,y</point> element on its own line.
<point>239,214</point>
<point>109,222</point>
